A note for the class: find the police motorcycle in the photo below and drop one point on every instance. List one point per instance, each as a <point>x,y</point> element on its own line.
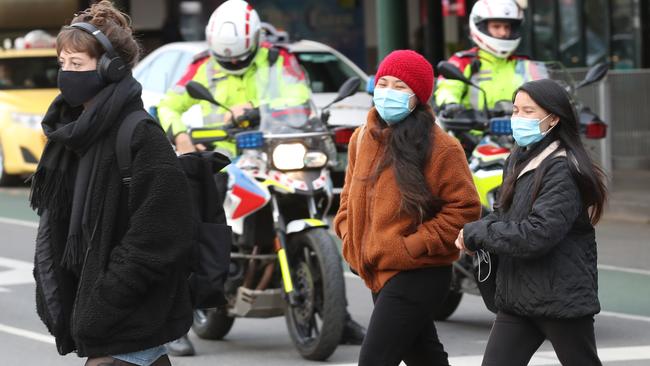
<point>284,261</point>
<point>486,137</point>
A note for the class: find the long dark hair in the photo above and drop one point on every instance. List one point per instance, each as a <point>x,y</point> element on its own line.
<point>589,177</point>
<point>408,151</point>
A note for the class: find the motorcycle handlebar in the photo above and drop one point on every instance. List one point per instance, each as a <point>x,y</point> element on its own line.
<point>207,135</point>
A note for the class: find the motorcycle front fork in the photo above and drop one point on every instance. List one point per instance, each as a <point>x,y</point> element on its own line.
<point>281,250</point>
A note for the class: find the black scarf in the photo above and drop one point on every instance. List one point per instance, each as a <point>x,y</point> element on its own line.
<point>68,166</point>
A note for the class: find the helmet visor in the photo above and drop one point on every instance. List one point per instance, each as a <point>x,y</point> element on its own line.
<point>235,63</point>
<point>515,28</point>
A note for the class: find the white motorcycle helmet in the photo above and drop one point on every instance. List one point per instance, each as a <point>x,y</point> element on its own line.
<point>233,35</point>
<point>505,10</point>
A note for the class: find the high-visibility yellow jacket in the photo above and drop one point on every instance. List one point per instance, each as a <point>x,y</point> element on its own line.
<point>228,89</point>
<point>499,77</point>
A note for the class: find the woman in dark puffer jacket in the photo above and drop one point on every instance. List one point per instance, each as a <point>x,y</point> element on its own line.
<point>543,234</point>
<point>110,267</point>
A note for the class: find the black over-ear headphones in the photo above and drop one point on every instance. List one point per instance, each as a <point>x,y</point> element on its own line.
<point>110,66</point>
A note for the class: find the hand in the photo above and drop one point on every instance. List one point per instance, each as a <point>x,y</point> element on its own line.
<point>184,144</point>
<point>237,111</point>
<point>460,243</point>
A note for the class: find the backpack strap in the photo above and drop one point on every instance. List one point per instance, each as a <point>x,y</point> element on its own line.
<point>123,142</point>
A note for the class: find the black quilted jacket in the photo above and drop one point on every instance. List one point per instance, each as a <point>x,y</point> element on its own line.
<point>546,248</point>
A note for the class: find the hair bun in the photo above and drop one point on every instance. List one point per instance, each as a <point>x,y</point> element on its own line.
<point>103,13</point>
<point>115,25</point>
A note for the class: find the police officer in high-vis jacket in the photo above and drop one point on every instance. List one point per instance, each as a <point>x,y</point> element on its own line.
<point>230,69</point>
<point>234,70</point>
<point>495,27</point>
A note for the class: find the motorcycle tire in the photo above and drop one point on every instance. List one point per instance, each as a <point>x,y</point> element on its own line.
<point>448,306</point>
<point>316,324</point>
<point>455,294</point>
<point>212,324</point>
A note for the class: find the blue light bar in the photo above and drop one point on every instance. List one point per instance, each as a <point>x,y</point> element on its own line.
<point>250,140</point>
<point>500,126</point>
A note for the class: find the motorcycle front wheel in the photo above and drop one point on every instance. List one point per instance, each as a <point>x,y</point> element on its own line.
<point>212,324</point>
<point>316,323</point>
<point>455,294</point>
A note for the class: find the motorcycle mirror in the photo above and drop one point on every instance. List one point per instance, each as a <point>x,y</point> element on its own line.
<point>348,88</point>
<point>198,91</point>
<point>449,71</point>
<point>595,73</point>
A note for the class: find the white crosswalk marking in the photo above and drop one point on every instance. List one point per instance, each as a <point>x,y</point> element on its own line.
<point>27,334</point>
<point>26,223</point>
<point>548,358</point>
<point>18,273</point>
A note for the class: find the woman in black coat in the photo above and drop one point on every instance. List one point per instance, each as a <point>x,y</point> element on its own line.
<point>542,232</point>
<point>111,262</point>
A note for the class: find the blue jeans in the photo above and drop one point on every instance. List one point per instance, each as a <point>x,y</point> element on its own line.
<point>143,358</point>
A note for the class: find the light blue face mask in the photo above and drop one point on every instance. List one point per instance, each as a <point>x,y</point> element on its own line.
<point>526,130</point>
<point>392,105</point>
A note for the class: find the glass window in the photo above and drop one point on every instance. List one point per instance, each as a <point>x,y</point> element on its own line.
<point>326,72</point>
<point>596,31</point>
<point>625,24</point>
<point>570,45</point>
<point>526,45</point>
<point>28,73</point>
<point>159,76</point>
<point>544,38</point>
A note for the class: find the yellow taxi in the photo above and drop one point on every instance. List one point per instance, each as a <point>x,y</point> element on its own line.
<point>28,84</point>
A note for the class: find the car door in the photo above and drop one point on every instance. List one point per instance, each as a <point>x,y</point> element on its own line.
<point>158,75</point>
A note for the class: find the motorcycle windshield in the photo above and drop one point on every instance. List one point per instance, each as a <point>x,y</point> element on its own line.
<point>530,70</point>
<point>286,106</point>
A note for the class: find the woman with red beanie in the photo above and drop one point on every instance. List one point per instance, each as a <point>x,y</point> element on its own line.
<point>407,193</point>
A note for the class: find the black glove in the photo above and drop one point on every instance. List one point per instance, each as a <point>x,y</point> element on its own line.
<point>252,116</point>
<point>451,110</point>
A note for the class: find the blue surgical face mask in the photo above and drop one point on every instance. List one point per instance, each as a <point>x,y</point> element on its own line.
<point>526,130</point>
<point>392,105</point>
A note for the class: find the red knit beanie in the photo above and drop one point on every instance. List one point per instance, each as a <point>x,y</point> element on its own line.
<point>410,67</point>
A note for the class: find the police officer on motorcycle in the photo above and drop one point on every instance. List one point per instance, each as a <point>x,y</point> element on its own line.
<point>495,28</point>
<point>229,69</point>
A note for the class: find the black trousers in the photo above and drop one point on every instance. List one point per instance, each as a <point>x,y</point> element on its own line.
<point>401,326</point>
<point>514,339</point>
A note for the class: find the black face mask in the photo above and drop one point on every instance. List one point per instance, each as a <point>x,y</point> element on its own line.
<point>78,87</point>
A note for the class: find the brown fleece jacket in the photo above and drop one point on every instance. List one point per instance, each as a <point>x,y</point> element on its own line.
<point>369,222</point>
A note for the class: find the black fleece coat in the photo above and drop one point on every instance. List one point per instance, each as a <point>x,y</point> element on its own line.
<point>546,247</point>
<point>132,293</point>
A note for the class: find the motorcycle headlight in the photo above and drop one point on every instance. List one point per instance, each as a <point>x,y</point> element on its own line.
<point>315,159</point>
<point>289,156</point>
<point>295,156</point>
<point>28,120</point>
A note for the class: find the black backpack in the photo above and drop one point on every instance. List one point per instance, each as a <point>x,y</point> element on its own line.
<point>212,236</point>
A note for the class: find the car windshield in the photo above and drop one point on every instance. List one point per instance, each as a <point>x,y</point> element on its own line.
<point>28,73</point>
<point>285,102</point>
<point>326,71</point>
